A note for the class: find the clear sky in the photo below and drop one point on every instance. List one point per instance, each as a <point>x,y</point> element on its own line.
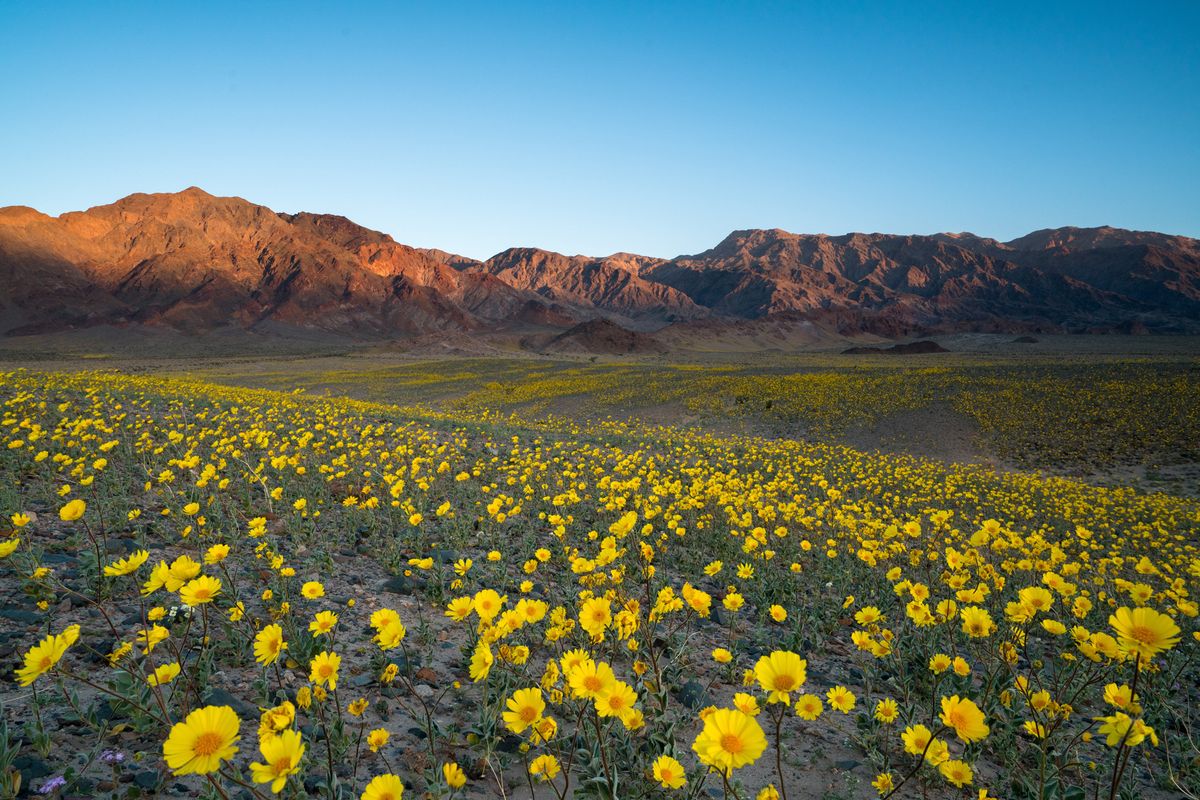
<point>654,128</point>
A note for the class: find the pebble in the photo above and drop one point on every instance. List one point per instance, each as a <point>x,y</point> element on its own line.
<point>147,780</point>
<point>693,695</point>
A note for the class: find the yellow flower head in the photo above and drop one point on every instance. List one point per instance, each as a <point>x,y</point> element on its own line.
<point>669,773</point>
<point>150,637</point>
<point>747,704</point>
<point>1120,729</point>
<point>384,787</point>
<point>268,644</point>
<point>589,679</point>
<point>202,741</point>
<point>781,673</point>
<point>43,656</point>
<point>965,718</point>
<point>841,698</point>
<point>454,776</point>
<point>729,740</point>
<point>200,591</point>
<point>487,603</point>
<point>544,768</point>
<point>977,622</point>
<point>525,708</point>
<point>72,510</point>
<point>163,674</point>
<point>128,564</point>
<point>216,554</point>
<point>809,707</point>
<point>957,772</point>
<point>323,622</point>
<point>377,738</point>
<point>916,739</point>
<point>281,756</point>
<point>595,616</point>
<point>323,669</point>
<point>276,719</point>
<point>481,661</point>
<point>616,701</point>
<point>182,570</point>
<point>1144,632</point>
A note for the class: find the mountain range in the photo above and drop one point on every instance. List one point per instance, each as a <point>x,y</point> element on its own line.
<point>193,262</point>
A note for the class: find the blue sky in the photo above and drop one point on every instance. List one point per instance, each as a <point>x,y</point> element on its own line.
<point>590,128</point>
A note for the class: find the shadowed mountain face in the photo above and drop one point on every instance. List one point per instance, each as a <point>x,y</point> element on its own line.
<point>896,285</point>
<point>613,284</point>
<point>194,262</point>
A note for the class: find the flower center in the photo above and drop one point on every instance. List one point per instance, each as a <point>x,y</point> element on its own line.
<point>784,683</point>
<point>283,765</point>
<point>207,743</point>
<point>731,743</point>
<point>528,714</point>
<point>1142,634</point>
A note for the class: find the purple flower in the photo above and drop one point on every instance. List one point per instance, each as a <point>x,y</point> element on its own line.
<point>52,785</point>
<point>112,757</point>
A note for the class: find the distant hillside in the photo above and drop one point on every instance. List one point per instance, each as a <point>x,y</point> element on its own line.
<point>190,261</point>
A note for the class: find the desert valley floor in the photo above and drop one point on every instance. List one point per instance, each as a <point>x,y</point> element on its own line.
<point>493,573</point>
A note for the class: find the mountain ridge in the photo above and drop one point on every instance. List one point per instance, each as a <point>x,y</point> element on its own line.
<point>193,261</point>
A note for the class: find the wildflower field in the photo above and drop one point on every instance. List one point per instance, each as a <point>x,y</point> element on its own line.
<point>223,591</point>
<point>1116,418</point>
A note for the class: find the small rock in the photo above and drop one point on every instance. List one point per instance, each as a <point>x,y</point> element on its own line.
<point>147,780</point>
<point>443,556</point>
<point>31,768</point>
<point>399,584</point>
<point>693,695</point>
<point>220,697</point>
